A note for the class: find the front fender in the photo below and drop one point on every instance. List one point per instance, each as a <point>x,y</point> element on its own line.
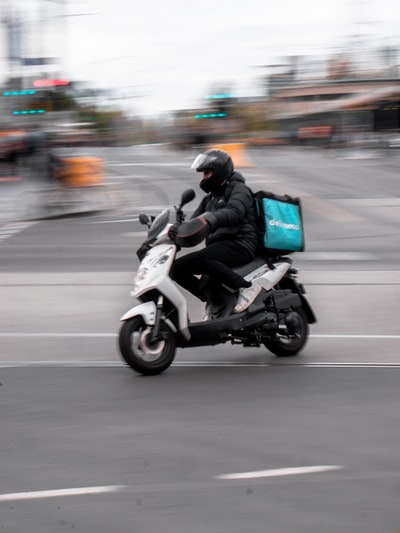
<point>146,309</point>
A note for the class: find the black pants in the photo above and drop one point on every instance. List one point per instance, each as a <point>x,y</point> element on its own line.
<point>215,260</point>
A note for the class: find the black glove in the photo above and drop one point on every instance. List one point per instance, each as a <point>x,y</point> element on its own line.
<point>142,250</point>
<point>173,230</point>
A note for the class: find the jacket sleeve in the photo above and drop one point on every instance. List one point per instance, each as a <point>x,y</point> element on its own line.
<point>199,210</point>
<point>234,210</point>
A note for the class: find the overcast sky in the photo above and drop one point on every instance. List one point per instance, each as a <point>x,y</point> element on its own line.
<point>167,54</point>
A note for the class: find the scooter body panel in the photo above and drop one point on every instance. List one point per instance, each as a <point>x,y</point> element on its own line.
<point>153,274</point>
<point>153,269</point>
<point>219,330</point>
<point>211,332</point>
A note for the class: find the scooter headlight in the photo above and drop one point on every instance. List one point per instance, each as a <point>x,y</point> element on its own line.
<point>140,278</point>
<point>147,267</point>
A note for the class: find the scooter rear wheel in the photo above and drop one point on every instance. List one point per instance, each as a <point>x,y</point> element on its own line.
<point>140,353</point>
<point>288,344</point>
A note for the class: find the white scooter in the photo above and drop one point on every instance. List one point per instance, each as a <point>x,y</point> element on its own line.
<point>152,330</point>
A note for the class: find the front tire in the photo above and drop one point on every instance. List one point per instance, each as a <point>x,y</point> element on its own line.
<point>139,353</point>
<point>291,341</point>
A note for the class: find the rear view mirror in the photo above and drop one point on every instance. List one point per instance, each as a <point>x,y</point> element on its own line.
<point>187,196</point>
<point>144,219</point>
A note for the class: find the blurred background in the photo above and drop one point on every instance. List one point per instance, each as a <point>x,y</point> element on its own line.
<point>93,71</point>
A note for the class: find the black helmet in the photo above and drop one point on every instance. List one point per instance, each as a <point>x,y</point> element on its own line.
<point>217,161</point>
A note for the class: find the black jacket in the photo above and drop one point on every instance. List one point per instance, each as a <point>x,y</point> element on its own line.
<point>230,214</point>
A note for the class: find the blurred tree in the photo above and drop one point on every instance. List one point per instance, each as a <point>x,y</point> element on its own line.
<point>63,101</point>
<point>252,117</point>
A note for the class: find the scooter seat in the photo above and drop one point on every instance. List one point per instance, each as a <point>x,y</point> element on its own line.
<point>243,270</point>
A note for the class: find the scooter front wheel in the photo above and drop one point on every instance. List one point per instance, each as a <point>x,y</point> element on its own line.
<point>140,353</point>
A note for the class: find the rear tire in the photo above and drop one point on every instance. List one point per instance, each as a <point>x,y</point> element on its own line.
<point>136,350</point>
<point>288,345</point>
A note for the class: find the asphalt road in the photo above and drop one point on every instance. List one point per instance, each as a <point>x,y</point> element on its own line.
<point>205,449</point>
<point>307,444</point>
<point>351,209</point>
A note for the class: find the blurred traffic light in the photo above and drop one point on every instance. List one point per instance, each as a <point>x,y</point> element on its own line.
<point>19,93</point>
<point>47,95</point>
<point>219,106</point>
<point>210,115</point>
<point>219,96</point>
<point>29,112</point>
<point>29,101</point>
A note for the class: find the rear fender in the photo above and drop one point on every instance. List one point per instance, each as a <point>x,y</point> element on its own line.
<point>308,309</point>
<point>295,286</point>
<point>285,299</point>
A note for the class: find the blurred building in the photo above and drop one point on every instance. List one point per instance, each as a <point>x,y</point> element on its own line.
<point>345,97</point>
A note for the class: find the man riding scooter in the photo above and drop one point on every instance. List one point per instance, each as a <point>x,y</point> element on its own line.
<point>228,218</point>
<point>275,314</point>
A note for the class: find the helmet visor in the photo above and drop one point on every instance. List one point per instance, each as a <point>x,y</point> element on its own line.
<point>203,162</point>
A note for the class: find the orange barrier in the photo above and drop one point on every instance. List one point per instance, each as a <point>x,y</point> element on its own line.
<point>82,171</point>
<point>237,151</point>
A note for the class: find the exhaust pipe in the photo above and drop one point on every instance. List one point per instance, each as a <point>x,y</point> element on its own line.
<point>265,319</point>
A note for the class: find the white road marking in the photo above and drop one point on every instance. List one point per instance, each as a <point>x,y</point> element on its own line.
<point>337,256</point>
<point>79,491</point>
<point>298,363</point>
<point>134,234</point>
<point>278,472</point>
<point>371,202</point>
<point>350,365</point>
<point>118,221</point>
<point>351,336</point>
<point>38,494</point>
<point>123,177</point>
<point>61,364</point>
<point>12,228</point>
<point>250,181</point>
<point>132,218</point>
<point>16,334</point>
<point>359,154</point>
<point>148,164</point>
<point>58,335</point>
<point>193,364</point>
